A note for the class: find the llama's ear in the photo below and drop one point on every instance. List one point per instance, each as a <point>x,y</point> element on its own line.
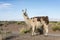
<point>22,10</point>
<point>25,10</point>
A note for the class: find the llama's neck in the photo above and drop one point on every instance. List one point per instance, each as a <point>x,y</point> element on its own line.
<point>26,18</point>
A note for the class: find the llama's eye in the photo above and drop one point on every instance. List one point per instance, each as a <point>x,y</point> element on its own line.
<point>27,18</point>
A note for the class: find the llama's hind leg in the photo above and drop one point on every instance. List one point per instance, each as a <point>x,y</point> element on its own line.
<point>46,29</point>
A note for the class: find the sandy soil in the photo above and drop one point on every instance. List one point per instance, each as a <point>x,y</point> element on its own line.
<point>14,28</point>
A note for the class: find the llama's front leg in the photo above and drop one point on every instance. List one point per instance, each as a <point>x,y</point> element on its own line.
<point>33,30</point>
<point>46,29</point>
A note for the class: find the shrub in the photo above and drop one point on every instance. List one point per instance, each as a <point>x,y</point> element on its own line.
<point>11,22</point>
<point>1,24</point>
<point>24,30</point>
<point>58,23</point>
<point>53,21</point>
<point>56,28</point>
<point>21,23</point>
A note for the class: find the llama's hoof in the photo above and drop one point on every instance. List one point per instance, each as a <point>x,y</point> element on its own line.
<point>34,34</point>
<point>45,35</point>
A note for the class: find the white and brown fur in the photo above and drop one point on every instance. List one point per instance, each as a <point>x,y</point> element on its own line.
<point>36,22</point>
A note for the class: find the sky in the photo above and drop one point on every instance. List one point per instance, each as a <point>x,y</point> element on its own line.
<point>12,9</point>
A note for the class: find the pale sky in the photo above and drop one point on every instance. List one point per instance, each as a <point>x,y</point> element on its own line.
<point>12,9</point>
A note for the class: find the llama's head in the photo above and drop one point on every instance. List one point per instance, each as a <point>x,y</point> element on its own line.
<point>25,14</point>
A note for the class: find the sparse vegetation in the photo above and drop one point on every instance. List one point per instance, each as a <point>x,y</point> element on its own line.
<point>54,28</point>
<point>1,24</point>
<point>58,23</point>
<point>55,25</point>
<point>12,22</point>
<point>53,22</point>
<point>24,30</point>
<point>21,23</point>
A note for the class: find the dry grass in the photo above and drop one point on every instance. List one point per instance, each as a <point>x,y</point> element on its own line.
<point>56,26</point>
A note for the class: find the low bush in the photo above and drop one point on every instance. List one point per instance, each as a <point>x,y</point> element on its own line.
<point>58,23</point>
<point>1,24</point>
<point>53,22</point>
<point>21,23</point>
<point>56,28</point>
<point>24,30</point>
<point>11,22</point>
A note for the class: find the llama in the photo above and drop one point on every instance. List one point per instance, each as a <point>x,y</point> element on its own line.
<point>36,22</point>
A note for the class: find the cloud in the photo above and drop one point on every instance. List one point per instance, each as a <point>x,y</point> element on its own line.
<point>5,5</point>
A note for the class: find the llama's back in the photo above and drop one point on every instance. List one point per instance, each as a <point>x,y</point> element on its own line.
<point>45,18</point>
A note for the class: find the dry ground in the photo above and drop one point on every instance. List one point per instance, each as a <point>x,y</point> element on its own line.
<point>13,33</point>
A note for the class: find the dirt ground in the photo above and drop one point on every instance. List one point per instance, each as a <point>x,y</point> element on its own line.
<point>14,34</point>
